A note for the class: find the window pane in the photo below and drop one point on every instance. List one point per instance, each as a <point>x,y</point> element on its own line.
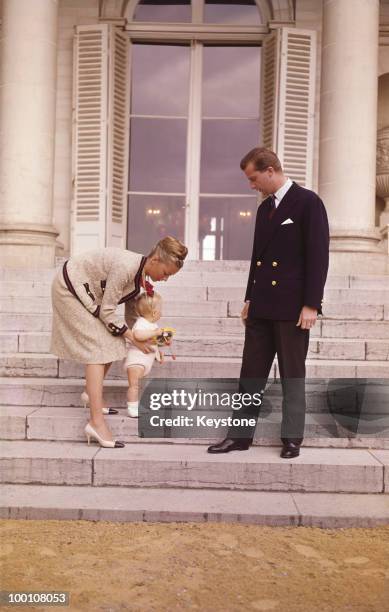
<point>231,81</point>
<point>151,218</point>
<point>160,80</point>
<point>224,143</point>
<point>157,155</point>
<point>241,12</point>
<point>172,11</point>
<point>226,227</point>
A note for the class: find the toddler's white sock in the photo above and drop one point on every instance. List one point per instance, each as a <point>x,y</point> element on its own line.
<point>132,409</point>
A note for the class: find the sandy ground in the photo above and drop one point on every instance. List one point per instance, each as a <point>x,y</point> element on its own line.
<point>145,567</point>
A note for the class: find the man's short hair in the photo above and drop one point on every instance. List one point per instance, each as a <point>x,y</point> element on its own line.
<point>261,158</point>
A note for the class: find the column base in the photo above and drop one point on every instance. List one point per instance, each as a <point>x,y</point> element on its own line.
<point>27,245</point>
<point>359,240</point>
<point>355,263</point>
<point>354,251</point>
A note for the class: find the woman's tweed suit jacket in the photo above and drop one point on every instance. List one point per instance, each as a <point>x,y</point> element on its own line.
<point>85,295</point>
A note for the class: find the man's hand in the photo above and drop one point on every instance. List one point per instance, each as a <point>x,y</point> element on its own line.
<point>307,318</point>
<point>244,313</point>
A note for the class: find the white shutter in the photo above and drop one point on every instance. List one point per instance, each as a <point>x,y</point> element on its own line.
<point>269,96</point>
<point>118,146</point>
<point>100,143</point>
<point>90,92</point>
<point>288,99</point>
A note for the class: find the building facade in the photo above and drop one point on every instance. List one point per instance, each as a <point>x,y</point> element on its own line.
<point>125,120</point>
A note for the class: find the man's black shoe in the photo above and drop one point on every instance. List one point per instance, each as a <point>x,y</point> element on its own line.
<point>228,445</point>
<point>290,450</point>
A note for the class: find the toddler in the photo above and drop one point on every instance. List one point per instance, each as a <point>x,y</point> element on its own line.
<point>138,364</point>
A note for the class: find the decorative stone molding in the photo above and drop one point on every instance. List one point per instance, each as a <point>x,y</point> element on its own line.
<point>382,176</point>
<point>281,10</point>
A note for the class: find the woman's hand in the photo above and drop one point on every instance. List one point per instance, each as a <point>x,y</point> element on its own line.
<point>145,346</point>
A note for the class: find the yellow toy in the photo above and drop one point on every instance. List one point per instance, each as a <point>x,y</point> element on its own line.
<point>165,338</point>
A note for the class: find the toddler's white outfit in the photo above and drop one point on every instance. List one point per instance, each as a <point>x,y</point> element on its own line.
<point>135,357</point>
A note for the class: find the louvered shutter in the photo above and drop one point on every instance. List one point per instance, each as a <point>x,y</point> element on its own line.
<point>270,80</point>
<point>90,93</point>
<point>288,98</point>
<point>100,143</point>
<point>118,146</point>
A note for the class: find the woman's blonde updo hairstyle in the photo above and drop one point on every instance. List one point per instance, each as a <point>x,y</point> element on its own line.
<point>170,250</point>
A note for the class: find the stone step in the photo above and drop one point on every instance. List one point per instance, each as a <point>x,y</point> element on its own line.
<point>276,509</point>
<point>25,275</point>
<point>239,279</point>
<point>201,273</point>
<point>356,296</point>
<point>367,396</point>
<point>218,346</point>
<point>28,274</point>
<point>355,329</point>
<point>46,365</point>
<point>212,326</point>
<point>201,308</point>
<point>345,312</point>
<point>191,325</point>
<point>331,296</point>
<point>354,349</point>
<point>52,424</point>
<point>189,466</point>
<point>209,309</point>
<point>12,290</point>
<point>36,289</point>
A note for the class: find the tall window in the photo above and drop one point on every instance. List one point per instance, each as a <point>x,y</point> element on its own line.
<point>194,113</point>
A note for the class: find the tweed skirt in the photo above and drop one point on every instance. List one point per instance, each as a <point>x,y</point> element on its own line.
<point>76,334</point>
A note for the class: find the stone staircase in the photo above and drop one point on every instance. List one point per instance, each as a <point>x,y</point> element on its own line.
<point>338,480</point>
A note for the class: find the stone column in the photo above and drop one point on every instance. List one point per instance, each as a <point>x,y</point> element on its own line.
<point>348,124</point>
<point>28,60</point>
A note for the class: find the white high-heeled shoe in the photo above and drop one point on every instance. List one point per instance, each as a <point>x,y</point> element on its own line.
<point>91,433</point>
<point>85,401</point>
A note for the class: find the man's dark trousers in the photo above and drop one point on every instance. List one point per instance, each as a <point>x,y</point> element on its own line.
<point>263,339</point>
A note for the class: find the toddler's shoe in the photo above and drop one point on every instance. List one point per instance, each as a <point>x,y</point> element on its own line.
<point>132,409</point>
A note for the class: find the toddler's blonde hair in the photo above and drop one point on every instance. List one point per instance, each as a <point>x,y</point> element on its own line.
<point>145,304</point>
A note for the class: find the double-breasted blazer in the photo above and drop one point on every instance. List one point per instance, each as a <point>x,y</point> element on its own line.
<point>289,261</point>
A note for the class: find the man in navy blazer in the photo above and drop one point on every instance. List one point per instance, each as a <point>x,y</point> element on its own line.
<point>284,295</point>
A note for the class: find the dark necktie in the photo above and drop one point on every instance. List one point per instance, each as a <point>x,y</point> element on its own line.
<point>272,205</point>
